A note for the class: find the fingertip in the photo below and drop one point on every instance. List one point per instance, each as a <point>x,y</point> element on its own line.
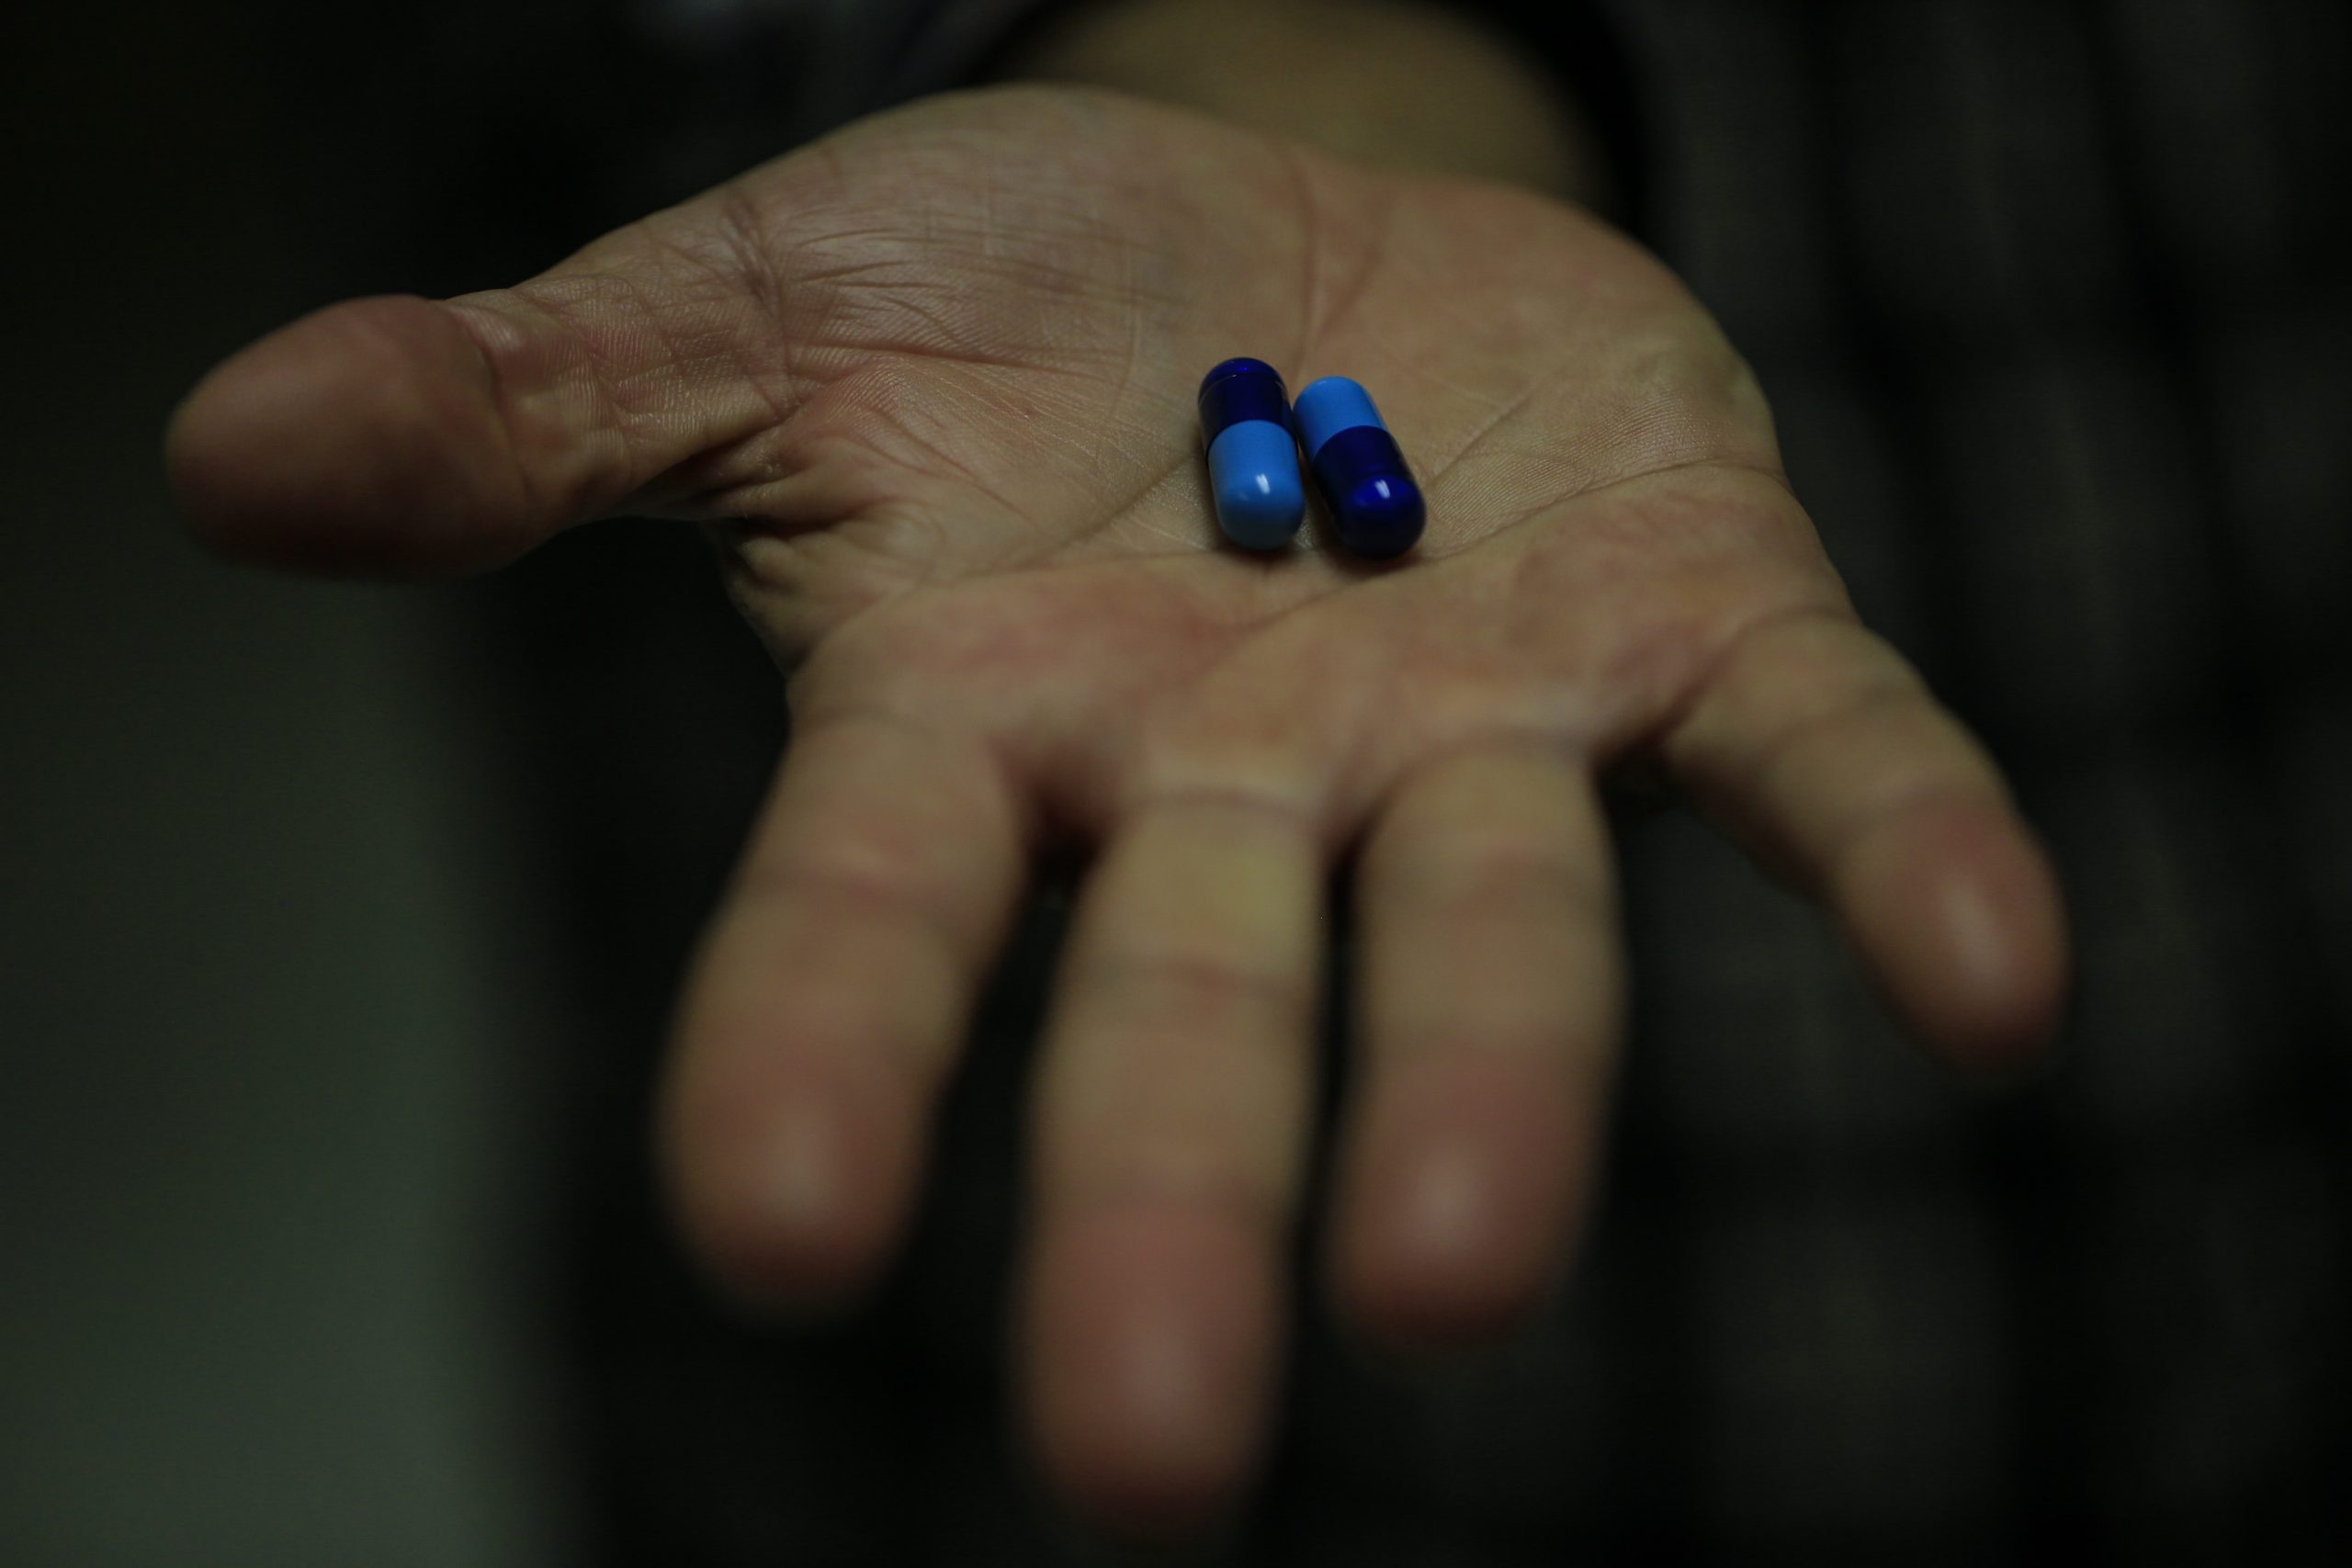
<point>1149,1342</point>
<point>1460,1197</point>
<point>792,1192</point>
<point>365,439</point>
<point>1960,918</point>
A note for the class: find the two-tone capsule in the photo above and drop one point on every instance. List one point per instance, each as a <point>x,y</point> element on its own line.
<point>1253,457</point>
<point>1374,504</point>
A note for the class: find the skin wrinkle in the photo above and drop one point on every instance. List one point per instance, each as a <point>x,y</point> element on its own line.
<point>1050,290</point>
<point>1581,894</point>
<point>616,408</point>
<point>741,231</point>
<point>947,348</point>
<point>1023,266</point>
<point>777,411</point>
<point>1810,870</point>
<point>1026,807</point>
<point>1153,485</point>
<point>1197,1134</point>
<point>801,360</point>
<point>1188,552</point>
<point>1741,645</point>
<point>1510,410</point>
<point>500,393</point>
<point>1571,724</point>
<point>1440,478</point>
<point>848,455</point>
<point>1129,364</point>
<point>1668,730</point>
<point>1133,514</point>
<point>993,237</point>
<point>763,280</point>
<point>888,413</point>
<point>1323,313</point>
<point>946,944</point>
<point>1125,513</point>
<point>789,459</point>
<point>1665,414</point>
<point>1220,980</point>
<point>846,640</point>
<point>728,279</point>
<point>1432,291</point>
<point>1056,1195</point>
<point>1813,863</point>
<point>1850,834</point>
<point>1747,774</point>
<point>1584,875</point>
<point>1056,557</point>
<point>888,581</point>
<point>1298,813</point>
<point>627,420</point>
<point>1260,1191</point>
<point>889,892</point>
<point>1132,504</point>
<point>932,736</point>
<point>983,190</point>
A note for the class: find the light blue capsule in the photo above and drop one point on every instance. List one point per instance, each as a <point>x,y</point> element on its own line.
<point>1253,474</point>
<point>1253,459</point>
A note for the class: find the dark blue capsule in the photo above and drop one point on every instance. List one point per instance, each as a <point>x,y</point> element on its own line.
<point>1374,504</point>
<point>1253,457</point>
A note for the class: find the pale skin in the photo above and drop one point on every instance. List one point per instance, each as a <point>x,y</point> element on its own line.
<point>935,376</point>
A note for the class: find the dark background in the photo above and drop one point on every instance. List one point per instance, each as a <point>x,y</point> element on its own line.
<point>338,924</point>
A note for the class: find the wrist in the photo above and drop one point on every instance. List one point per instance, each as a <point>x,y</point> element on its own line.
<point>1395,82</point>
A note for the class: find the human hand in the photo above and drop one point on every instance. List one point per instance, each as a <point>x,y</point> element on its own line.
<point>937,372</point>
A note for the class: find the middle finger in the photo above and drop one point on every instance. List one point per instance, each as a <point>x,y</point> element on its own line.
<point>1171,1112</point>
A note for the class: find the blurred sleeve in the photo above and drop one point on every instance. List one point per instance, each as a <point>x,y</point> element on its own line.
<point>942,44</point>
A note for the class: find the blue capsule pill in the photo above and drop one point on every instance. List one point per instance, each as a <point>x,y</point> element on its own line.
<point>1374,504</point>
<point>1253,457</point>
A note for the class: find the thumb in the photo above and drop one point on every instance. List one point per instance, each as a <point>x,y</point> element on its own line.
<point>404,437</point>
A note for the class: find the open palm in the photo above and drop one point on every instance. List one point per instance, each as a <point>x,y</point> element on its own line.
<point>933,380</point>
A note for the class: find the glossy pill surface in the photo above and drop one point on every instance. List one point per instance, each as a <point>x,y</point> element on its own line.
<point>1374,504</point>
<point>1253,456</point>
